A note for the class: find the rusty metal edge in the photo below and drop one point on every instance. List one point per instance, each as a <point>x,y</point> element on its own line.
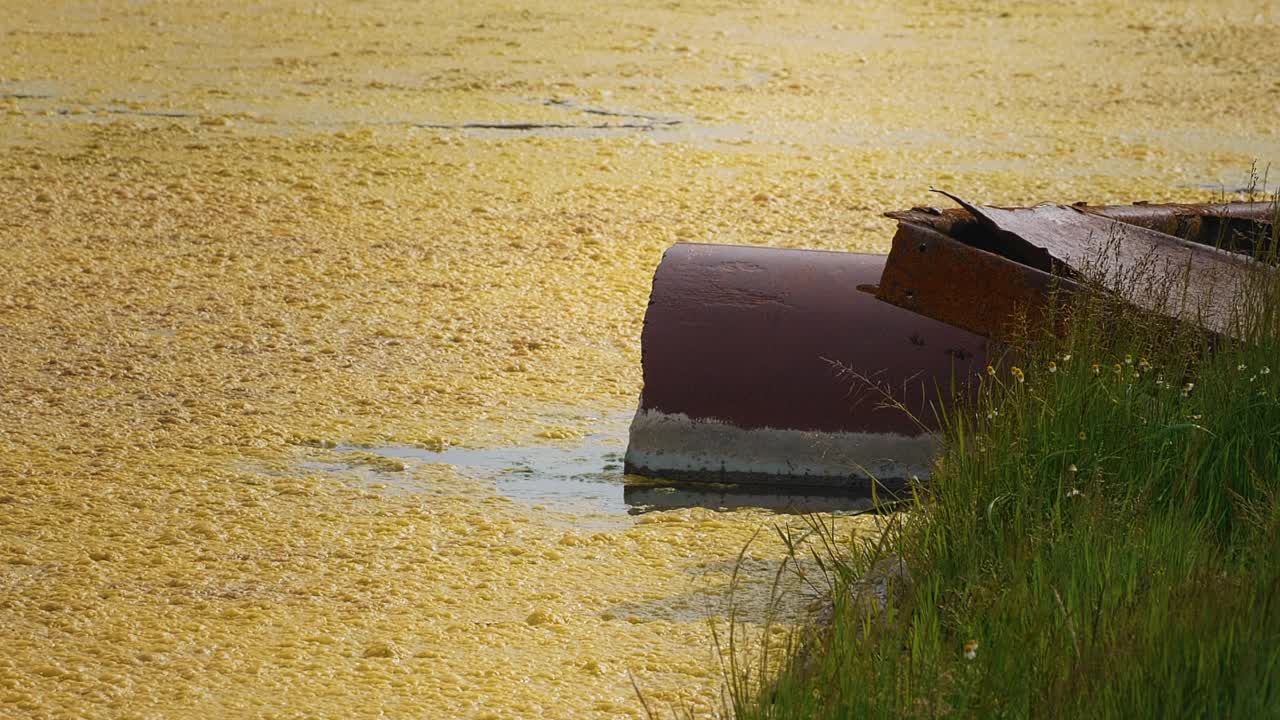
<point>1184,220</point>
<point>935,275</point>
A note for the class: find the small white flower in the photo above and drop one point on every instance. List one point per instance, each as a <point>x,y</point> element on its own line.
<point>1073,492</point>
<point>1186,389</point>
<point>1265,370</point>
<point>1066,357</point>
<point>1241,367</point>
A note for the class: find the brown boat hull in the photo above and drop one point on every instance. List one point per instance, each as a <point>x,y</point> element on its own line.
<point>780,367</point>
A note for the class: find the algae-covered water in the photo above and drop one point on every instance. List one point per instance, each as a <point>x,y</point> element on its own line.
<point>239,243</point>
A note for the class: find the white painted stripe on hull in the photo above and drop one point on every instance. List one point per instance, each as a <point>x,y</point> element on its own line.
<point>676,442</point>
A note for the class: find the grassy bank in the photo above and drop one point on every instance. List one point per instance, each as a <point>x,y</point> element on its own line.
<point>1100,539</point>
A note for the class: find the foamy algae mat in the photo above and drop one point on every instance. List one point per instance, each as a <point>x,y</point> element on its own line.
<point>229,236</point>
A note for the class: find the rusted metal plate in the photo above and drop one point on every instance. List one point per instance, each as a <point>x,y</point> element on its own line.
<point>1152,270</point>
<point>979,266</point>
<point>936,275</point>
<point>1216,224</point>
<point>738,349</point>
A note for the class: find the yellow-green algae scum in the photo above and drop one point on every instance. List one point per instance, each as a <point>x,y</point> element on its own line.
<point>228,232</point>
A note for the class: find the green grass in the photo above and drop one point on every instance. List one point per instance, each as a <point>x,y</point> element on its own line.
<point>1104,522</point>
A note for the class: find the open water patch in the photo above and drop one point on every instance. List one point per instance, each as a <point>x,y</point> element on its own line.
<point>586,477</point>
